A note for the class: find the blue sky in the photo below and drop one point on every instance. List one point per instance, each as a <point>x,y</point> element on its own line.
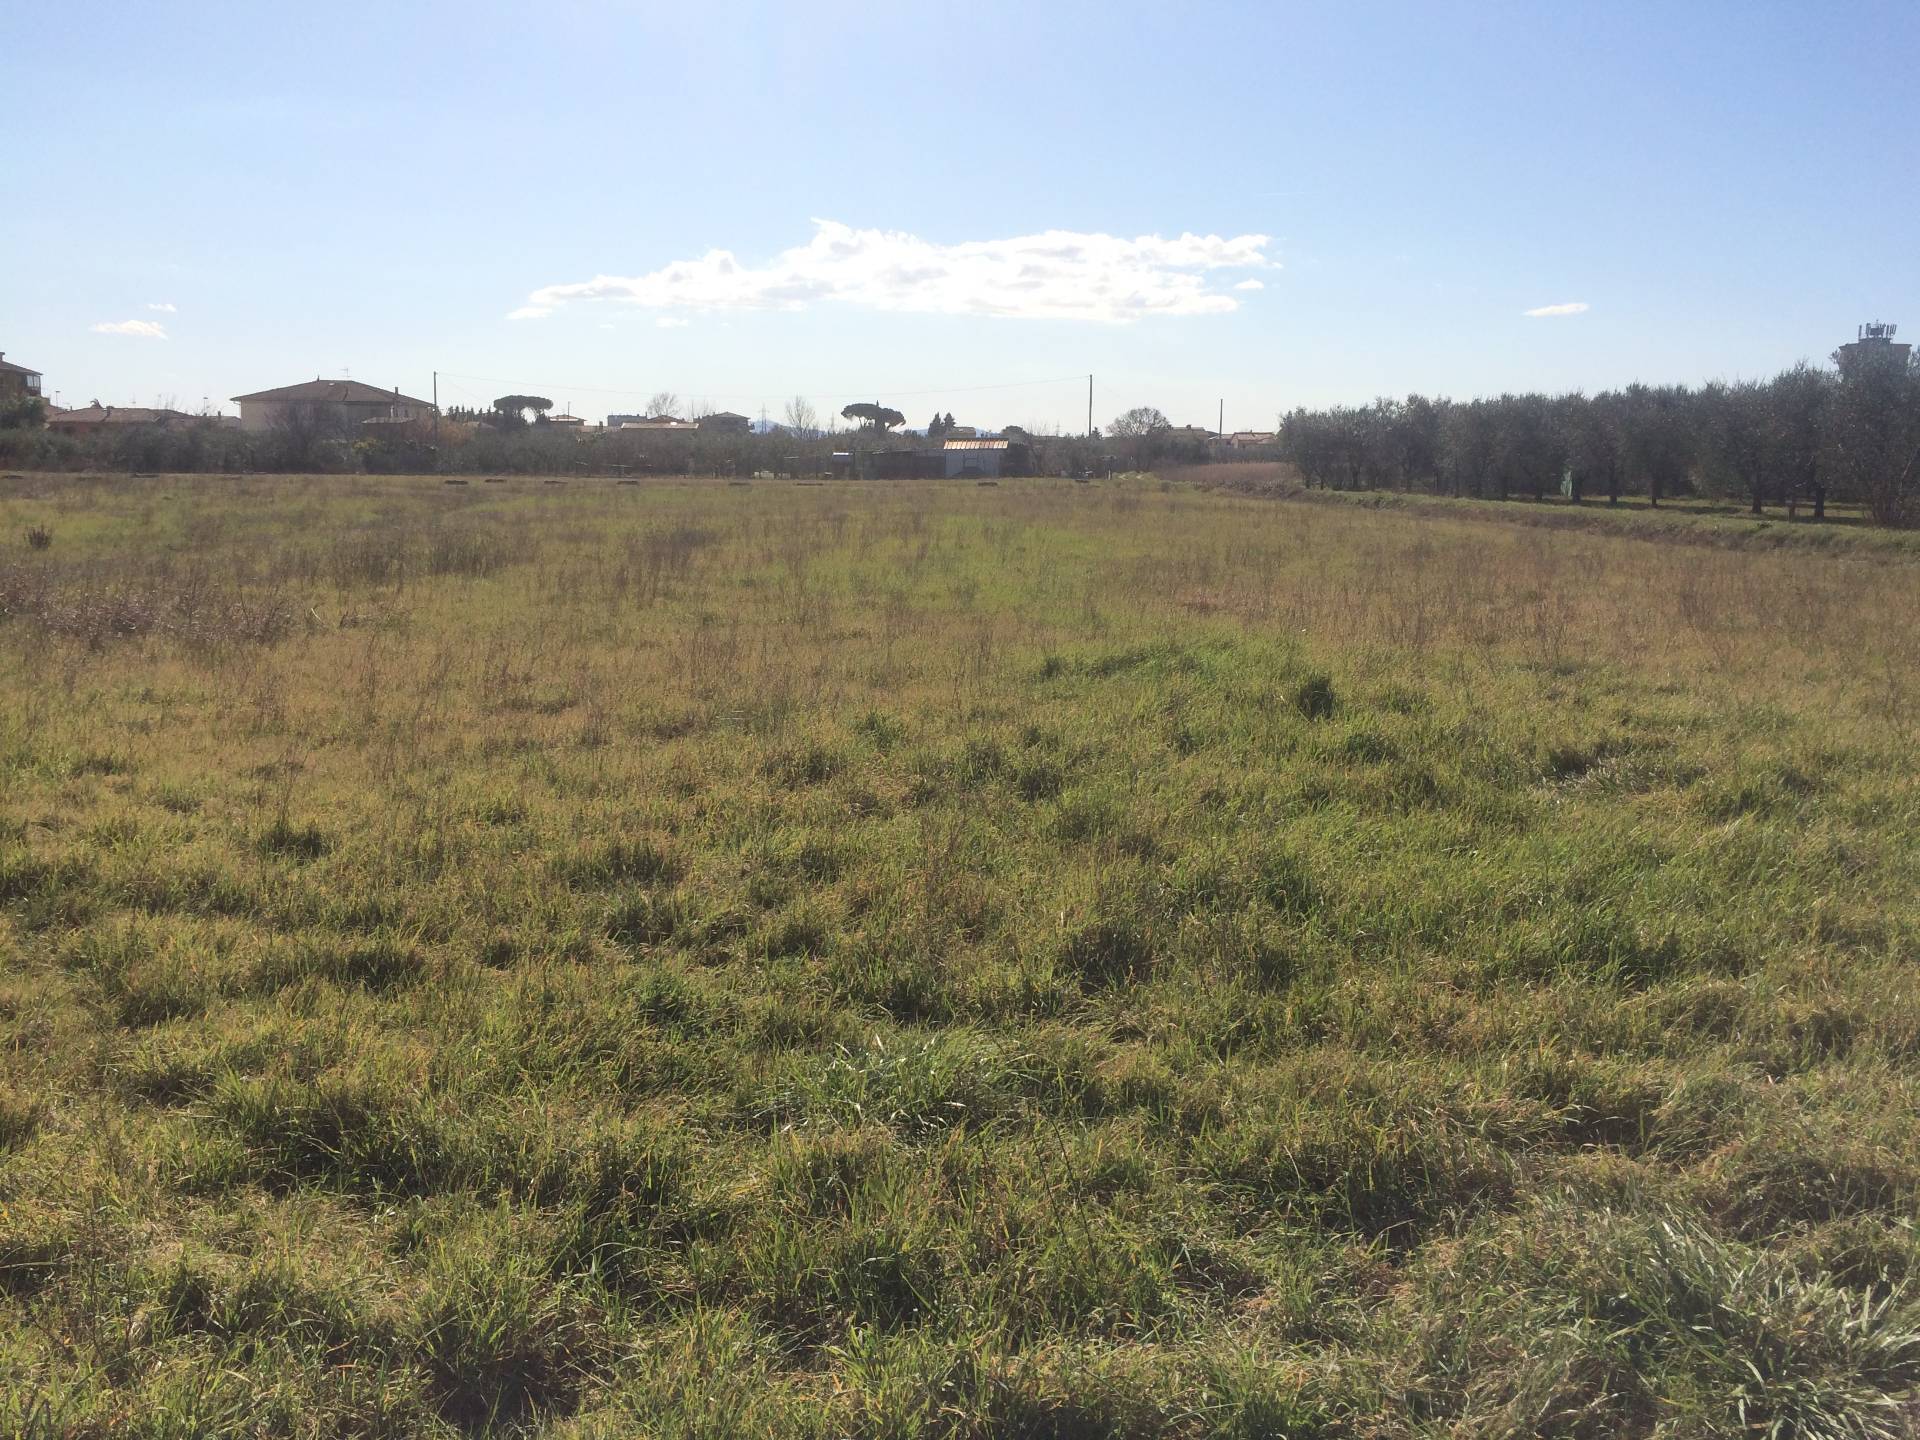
<point>375,189</point>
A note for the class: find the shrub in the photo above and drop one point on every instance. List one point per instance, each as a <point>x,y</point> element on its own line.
<point>1313,697</point>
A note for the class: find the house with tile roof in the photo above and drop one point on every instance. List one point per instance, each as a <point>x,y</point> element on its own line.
<point>96,419</point>
<point>350,400</point>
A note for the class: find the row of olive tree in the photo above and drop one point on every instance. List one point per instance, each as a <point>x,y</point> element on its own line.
<point>1806,435</point>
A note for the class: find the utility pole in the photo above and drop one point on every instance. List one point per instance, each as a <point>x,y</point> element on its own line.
<point>1089,407</point>
<point>436,419</point>
<point>1220,430</point>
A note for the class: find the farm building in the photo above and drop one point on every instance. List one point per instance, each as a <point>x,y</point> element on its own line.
<point>988,459</point>
<point>17,379</point>
<point>900,464</point>
<point>351,400</point>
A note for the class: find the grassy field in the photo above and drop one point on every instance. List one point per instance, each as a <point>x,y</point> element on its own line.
<point>940,960</point>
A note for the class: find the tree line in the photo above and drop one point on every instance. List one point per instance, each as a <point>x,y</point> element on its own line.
<point>1807,436</point>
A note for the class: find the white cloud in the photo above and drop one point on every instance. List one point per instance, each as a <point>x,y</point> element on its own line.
<point>1251,285</point>
<point>145,329</point>
<point>530,312</point>
<point>1572,307</point>
<point>164,306</point>
<point>1056,275</point>
<point>671,322</point>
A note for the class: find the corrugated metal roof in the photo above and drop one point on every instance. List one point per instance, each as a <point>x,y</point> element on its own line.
<point>977,444</point>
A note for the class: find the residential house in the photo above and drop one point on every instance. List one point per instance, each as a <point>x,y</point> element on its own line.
<point>17,380</point>
<point>96,419</point>
<point>351,400</point>
<point>1247,440</point>
<point>724,422</point>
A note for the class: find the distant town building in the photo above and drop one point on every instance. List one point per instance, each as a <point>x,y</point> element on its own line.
<point>654,425</point>
<point>1247,439</point>
<point>351,400</point>
<point>1872,347</point>
<point>566,422</point>
<point>725,422</point>
<point>96,418</point>
<point>17,379</point>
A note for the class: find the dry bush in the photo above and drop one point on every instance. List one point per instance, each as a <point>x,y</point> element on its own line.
<point>191,608</point>
<point>1252,477</point>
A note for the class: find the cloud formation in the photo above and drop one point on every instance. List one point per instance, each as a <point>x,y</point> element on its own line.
<point>1571,307</point>
<point>166,306</point>
<point>1055,275</point>
<point>1251,285</point>
<point>671,322</point>
<point>144,329</point>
